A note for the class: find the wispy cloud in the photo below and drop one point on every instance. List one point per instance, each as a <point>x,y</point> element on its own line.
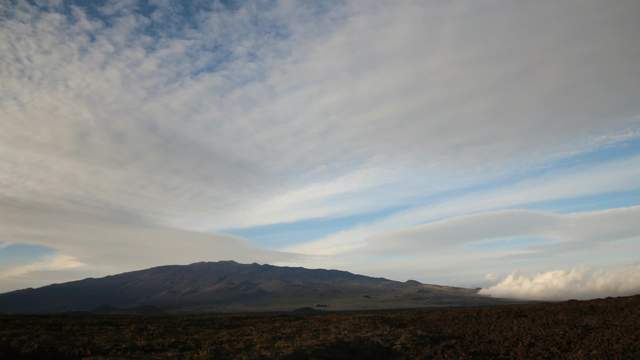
<point>55,263</point>
<point>586,229</point>
<point>460,249</point>
<point>613,176</point>
<point>132,121</point>
<point>111,244</point>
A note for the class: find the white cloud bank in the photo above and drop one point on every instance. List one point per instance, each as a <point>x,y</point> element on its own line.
<point>578,283</point>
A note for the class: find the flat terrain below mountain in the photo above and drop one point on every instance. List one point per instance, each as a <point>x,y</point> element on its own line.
<point>597,329</point>
<point>227,286</point>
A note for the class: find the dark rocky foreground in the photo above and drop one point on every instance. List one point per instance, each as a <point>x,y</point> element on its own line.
<point>597,329</point>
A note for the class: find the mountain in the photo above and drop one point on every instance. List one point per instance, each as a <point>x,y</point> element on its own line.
<point>227,286</point>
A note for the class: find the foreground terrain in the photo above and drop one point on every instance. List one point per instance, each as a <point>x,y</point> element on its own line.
<point>597,329</point>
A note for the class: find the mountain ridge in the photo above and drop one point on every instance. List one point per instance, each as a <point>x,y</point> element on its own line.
<point>228,286</point>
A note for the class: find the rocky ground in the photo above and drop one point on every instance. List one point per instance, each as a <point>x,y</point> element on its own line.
<point>597,329</point>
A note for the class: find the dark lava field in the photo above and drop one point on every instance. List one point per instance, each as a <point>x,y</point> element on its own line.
<point>597,329</point>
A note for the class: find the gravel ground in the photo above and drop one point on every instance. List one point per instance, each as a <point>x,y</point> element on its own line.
<point>597,329</point>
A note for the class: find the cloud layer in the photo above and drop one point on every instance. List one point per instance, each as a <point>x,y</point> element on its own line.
<point>578,283</point>
<point>134,132</point>
<point>178,126</point>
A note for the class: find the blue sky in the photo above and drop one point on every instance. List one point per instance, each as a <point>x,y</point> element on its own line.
<point>456,143</point>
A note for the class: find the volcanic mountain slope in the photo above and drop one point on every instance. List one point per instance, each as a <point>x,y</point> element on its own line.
<point>228,286</point>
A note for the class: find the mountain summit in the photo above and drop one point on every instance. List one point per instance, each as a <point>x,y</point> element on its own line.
<point>228,286</point>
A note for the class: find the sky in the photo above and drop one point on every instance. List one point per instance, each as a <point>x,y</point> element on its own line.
<point>491,144</point>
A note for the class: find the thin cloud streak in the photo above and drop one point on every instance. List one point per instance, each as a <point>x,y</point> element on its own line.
<point>494,241</point>
<point>613,176</point>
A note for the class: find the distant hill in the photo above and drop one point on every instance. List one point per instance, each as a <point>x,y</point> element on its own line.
<point>227,286</point>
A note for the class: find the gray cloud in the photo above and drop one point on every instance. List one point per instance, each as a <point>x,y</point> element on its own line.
<point>97,244</point>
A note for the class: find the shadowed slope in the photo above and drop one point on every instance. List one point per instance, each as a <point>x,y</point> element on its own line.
<point>230,286</point>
